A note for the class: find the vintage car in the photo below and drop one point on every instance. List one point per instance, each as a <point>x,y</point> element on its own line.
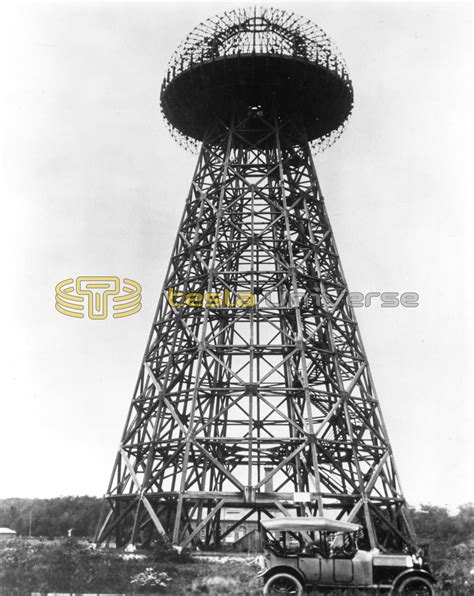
<point>317,553</point>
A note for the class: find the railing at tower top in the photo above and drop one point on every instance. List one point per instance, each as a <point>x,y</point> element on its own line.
<point>266,31</point>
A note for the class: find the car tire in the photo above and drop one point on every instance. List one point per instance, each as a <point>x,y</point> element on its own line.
<point>414,586</point>
<point>283,584</point>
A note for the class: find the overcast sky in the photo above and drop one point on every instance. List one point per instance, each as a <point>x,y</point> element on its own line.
<point>92,184</point>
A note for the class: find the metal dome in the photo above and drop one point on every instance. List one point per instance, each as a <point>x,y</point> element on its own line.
<point>257,56</point>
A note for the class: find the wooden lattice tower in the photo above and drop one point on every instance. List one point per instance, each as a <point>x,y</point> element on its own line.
<point>256,394</point>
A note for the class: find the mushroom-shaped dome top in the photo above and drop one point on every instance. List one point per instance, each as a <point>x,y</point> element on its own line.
<point>265,57</point>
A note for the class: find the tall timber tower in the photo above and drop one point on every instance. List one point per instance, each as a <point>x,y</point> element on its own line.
<point>254,392</point>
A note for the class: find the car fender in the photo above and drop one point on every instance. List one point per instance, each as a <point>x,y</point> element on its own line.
<point>412,573</point>
<point>283,569</point>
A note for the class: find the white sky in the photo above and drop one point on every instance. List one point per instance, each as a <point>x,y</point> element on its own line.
<point>92,184</point>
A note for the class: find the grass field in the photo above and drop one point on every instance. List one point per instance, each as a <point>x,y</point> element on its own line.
<point>70,566</point>
<point>73,567</point>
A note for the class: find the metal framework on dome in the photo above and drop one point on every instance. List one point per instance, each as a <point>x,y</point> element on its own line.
<point>263,32</point>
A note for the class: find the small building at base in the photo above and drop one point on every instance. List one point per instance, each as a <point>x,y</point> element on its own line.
<point>6,533</point>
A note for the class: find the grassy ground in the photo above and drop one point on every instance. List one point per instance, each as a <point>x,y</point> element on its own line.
<point>67,566</point>
<point>70,566</point>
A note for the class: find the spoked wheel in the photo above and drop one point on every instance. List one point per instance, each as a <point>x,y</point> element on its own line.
<point>283,584</point>
<point>414,586</point>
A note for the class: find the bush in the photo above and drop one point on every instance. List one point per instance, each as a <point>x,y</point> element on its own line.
<point>164,551</point>
<point>151,578</point>
<point>215,584</point>
<point>455,572</point>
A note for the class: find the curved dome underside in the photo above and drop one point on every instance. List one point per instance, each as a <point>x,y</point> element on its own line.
<point>314,98</point>
<point>257,57</point>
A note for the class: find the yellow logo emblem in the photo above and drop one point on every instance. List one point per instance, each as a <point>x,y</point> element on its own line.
<point>72,297</point>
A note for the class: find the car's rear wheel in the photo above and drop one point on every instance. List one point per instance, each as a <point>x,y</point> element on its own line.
<point>283,584</point>
<point>414,586</point>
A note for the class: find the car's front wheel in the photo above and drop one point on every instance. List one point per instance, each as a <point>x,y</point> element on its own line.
<point>414,586</point>
<point>283,584</point>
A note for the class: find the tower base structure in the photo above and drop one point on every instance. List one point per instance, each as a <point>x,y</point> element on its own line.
<point>255,393</point>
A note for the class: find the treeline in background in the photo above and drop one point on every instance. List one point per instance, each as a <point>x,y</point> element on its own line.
<point>52,518</point>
